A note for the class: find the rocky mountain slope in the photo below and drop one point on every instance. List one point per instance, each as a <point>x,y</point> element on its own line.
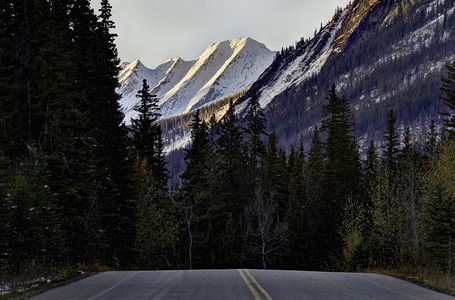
<point>182,86</point>
<point>381,54</point>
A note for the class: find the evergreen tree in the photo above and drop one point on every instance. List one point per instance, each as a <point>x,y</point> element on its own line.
<point>8,129</point>
<point>440,209</point>
<point>391,145</point>
<point>315,167</point>
<point>431,143</point>
<point>6,211</point>
<point>144,138</point>
<point>298,214</point>
<point>274,175</point>
<point>371,161</point>
<point>255,129</point>
<point>231,189</point>
<point>116,186</point>
<point>36,233</point>
<point>410,204</point>
<point>195,189</point>
<point>342,176</point>
<point>448,87</point>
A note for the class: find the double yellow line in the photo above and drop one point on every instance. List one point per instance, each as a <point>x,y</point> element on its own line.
<point>253,285</point>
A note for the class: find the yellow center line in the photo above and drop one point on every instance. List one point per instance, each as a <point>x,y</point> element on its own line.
<point>248,283</point>
<point>267,296</point>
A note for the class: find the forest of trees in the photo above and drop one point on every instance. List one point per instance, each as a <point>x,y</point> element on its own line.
<point>251,204</point>
<point>67,172</point>
<point>78,187</point>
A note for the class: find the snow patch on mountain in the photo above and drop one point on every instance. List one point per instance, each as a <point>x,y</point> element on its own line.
<point>305,66</point>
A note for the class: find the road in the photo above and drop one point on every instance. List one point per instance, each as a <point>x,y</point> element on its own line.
<point>239,284</point>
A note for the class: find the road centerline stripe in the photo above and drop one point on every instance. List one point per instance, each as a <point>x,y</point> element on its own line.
<point>250,286</point>
<point>267,295</point>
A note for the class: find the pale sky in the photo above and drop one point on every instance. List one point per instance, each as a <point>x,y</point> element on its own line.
<point>156,30</point>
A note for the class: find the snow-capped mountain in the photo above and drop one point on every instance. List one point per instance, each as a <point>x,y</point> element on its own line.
<point>381,54</point>
<point>182,86</point>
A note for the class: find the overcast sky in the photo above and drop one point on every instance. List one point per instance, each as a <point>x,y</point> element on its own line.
<point>155,30</point>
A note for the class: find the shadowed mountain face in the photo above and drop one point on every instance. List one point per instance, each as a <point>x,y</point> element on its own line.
<point>381,54</point>
<point>182,86</point>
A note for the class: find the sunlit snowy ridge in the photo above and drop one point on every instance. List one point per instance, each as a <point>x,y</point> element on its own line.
<point>182,86</point>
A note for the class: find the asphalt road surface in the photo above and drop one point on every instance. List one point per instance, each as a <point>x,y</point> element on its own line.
<point>239,284</point>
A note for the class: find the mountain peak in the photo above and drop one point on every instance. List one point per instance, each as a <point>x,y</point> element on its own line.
<point>174,59</point>
<point>223,69</point>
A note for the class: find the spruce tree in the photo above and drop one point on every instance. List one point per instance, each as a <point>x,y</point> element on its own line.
<point>342,176</point>
<point>8,131</point>
<point>144,137</point>
<point>195,189</point>
<point>391,146</point>
<point>255,129</point>
<point>440,209</point>
<point>448,87</point>
<point>409,204</point>
<point>297,214</point>
<point>231,189</point>
<point>116,193</point>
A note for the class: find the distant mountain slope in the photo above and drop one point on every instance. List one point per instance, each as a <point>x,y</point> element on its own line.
<point>381,54</point>
<point>223,69</point>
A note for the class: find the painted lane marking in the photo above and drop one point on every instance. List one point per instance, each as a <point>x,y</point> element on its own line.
<point>267,295</point>
<point>250,286</point>
<point>112,287</point>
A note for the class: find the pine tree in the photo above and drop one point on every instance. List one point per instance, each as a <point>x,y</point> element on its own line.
<point>431,143</point>
<point>391,145</point>
<point>195,189</point>
<point>231,189</point>
<point>6,211</point>
<point>440,209</point>
<point>371,161</point>
<point>144,139</point>
<point>255,129</point>
<point>410,204</point>
<point>274,175</point>
<point>297,214</point>
<point>448,87</point>
<point>34,219</point>
<point>117,216</point>
<point>8,130</point>
<point>342,176</point>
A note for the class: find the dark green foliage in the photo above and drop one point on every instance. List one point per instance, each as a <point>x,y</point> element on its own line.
<point>196,195</point>
<point>298,212</point>
<point>230,188</point>
<point>448,87</point>
<point>391,143</point>
<point>33,214</point>
<point>60,128</point>
<point>255,129</point>
<point>144,135</point>
<point>342,176</point>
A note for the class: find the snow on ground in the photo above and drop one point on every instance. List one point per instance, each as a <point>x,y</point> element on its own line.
<point>7,287</point>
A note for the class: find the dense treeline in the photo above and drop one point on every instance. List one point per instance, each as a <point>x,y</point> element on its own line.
<point>250,204</point>
<point>179,125</point>
<point>66,187</point>
<point>176,129</point>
